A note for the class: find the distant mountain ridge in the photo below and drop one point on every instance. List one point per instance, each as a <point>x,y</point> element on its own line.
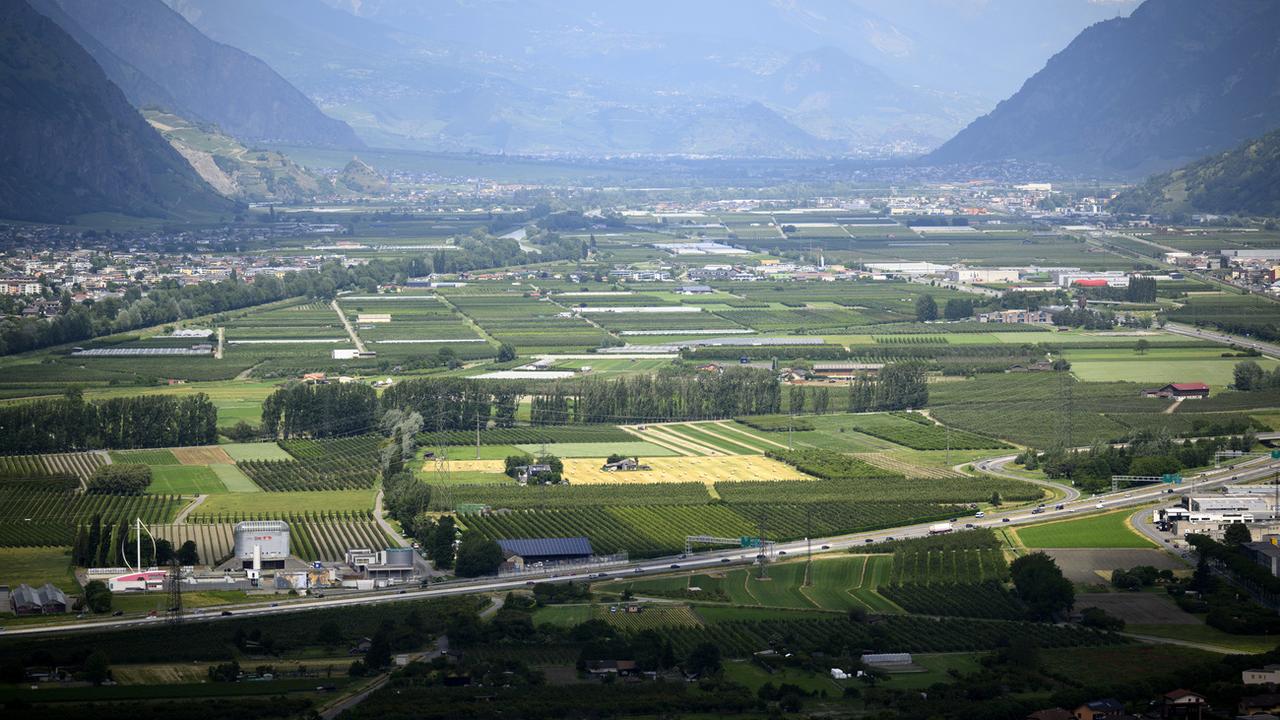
<point>157,58</point>
<point>1243,181</point>
<point>575,77</point>
<point>1176,80</point>
<point>72,143</point>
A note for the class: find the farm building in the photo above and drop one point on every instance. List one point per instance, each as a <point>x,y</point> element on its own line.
<point>1179,390</point>
<point>264,540</point>
<point>520,552</point>
<point>845,370</point>
<point>624,465</point>
<point>887,661</point>
<point>44,600</point>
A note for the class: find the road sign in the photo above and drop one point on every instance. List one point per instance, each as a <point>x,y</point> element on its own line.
<point>749,542</point>
<point>1171,479</point>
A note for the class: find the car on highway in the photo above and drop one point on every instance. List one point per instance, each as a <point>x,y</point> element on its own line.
<point>1059,506</point>
<point>226,613</point>
<point>675,566</point>
<point>1100,506</point>
<point>782,552</point>
<point>968,526</point>
<point>979,514</point>
<point>1037,511</point>
<point>869,540</point>
<point>826,547</point>
<point>117,613</point>
<point>724,559</point>
<point>1004,519</point>
<point>530,582</point>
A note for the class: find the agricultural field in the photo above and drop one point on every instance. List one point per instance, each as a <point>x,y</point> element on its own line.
<point>1108,530</point>
<point>255,451</point>
<point>531,324</point>
<point>639,449</point>
<point>339,464</point>
<point>323,535</point>
<point>36,566</point>
<point>184,480</point>
<point>705,470</point>
<point>144,457</point>
<point>32,516</point>
<point>80,465</point>
<point>1158,366</point>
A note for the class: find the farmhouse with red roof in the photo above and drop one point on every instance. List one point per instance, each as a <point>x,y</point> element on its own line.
<point>1179,390</point>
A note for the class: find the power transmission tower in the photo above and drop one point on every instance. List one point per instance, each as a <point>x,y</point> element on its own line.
<point>173,585</point>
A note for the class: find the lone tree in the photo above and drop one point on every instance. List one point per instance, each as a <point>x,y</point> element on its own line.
<point>1040,585</point>
<point>506,352</point>
<point>926,308</point>
<point>1142,346</point>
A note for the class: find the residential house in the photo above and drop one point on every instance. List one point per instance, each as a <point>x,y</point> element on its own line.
<point>1265,675</point>
<point>1182,703</point>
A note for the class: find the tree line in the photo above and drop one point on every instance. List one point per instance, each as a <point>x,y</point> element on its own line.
<point>70,423</point>
<point>667,395</point>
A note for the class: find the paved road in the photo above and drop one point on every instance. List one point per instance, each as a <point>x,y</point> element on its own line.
<point>995,466</point>
<point>1266,348</point>
<point>182,516</point>
<point>382,522</point>
<point>1252,469</point>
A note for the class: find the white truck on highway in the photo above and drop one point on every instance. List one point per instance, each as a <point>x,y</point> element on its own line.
<point>940,529</point>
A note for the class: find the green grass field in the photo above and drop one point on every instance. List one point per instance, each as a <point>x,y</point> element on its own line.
<point>37,566</point>
<point>233,479</point>
<point>255,451</point>
<point>1158,366</point>
<point>185,480</point>
<point>1108,530</point>
<point>562,615</point>
<point>285,502</point>
<point>592,450</point>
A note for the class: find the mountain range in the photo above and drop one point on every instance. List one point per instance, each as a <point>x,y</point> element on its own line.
<point>1242,181</point>
<point>1174,81</point>
<point>72,142</point>
<point>158,59</point>
<point>774,78</point>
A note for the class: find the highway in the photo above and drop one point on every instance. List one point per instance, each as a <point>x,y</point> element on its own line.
<point>1266,348</point>
<point>1252,469</point>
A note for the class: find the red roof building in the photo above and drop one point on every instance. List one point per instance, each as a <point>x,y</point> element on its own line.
<point>1179,390</point>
